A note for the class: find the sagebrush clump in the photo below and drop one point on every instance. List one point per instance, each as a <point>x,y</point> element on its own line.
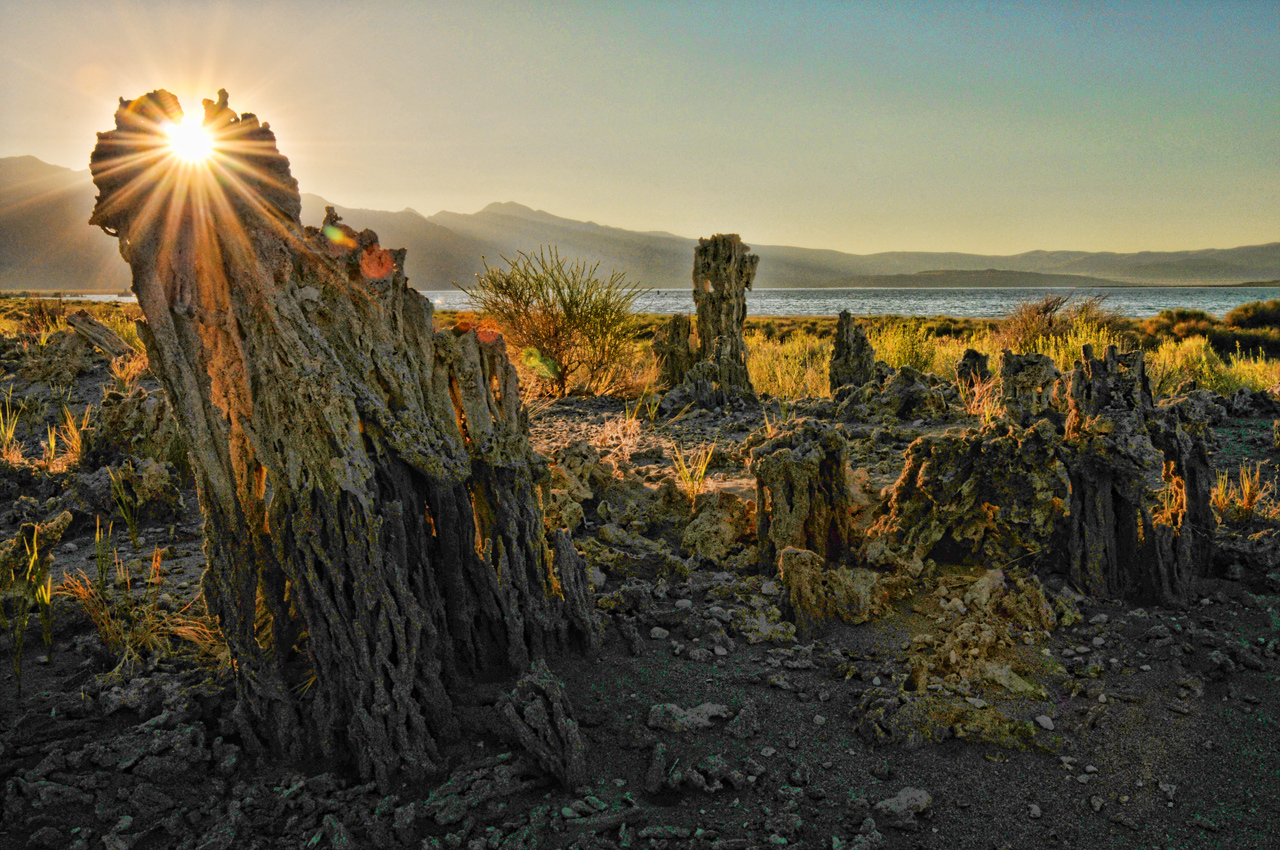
<point>561,321</point>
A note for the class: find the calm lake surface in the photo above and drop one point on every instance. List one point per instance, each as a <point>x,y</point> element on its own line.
<point>1136,302</point>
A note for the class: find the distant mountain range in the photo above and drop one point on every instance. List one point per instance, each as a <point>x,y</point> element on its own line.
<point>46,243</point>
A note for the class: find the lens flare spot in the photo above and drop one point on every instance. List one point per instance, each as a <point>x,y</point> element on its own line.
<point>189,141</point>
<point>376,263</point>
<point>342,239</point>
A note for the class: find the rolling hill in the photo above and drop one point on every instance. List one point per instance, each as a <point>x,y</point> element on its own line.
<point>46,244</point>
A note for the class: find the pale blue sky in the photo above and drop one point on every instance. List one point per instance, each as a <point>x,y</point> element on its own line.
<point>991,128</point>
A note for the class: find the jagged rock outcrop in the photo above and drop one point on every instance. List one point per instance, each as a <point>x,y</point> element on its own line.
<point>368,486</point>
<point>539,716</point>
<point>672,346</point>
<point>853,360</point>
<point>139,424</point>
<point>972,368</point>
<point>904,393</point>
<point>723,270</point>
<point>1119,502</point>
<point>817,593</point>
<point>1141,524</point>
<point>996,495</point>
<point>804,492</point>
<point>1027,383</point>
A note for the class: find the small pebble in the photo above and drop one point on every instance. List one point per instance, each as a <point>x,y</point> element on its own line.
<point>1034,811</point>
<point>1045,722</point>
<point>659,633</point>
<point>684,603</point>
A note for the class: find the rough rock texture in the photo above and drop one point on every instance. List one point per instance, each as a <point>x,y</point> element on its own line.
<point>722,523</point>
<point>57,361</point>
<point>804,492</point>
<point>541,718</point>
<point>1120,503</point>
<point>904,393</point>
<point>367,484</point>
<point>853,360</point>
<point>673,349</point>
<point>816,593</point>
<point>973,367</point>
<point>994,494</point>
<point>139,424</point>
<point>38,538</point>
<point>1141,525</point>
<point>1026,385</point>
<point>723,270</point>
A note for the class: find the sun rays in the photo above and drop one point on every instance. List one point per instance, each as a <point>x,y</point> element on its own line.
<point>189,141</point>
<point>197,188</point>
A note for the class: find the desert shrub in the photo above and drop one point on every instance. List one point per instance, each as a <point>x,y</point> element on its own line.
<point>1239,502</point>
<point>1179,360</point>
<point>126,328</point>
<point>564,323</point>
<point>44,315</point>
<point>136,626</point>
<point>1029,322</point>
<point>1253,371</point>
<point>1179,324</point>
<point>1256,314</point>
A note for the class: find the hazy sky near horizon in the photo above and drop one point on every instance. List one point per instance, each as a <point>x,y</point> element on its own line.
<point>938,126</point>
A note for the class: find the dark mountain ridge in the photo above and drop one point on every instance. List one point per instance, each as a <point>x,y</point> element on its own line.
<point>46,244</point>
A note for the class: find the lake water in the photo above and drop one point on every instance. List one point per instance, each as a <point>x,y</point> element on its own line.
<point>1138,302</point>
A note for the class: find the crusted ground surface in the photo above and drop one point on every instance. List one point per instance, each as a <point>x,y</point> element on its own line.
<point>952,718</point>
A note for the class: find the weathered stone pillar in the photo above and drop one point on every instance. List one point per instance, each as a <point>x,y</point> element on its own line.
<point>372,522</point>
<point>1141,524</point>
<point>853,360</point>
<point>1026,385</point>
<point>804,496</point>
<point>723,270</point>
<point>673,348</point>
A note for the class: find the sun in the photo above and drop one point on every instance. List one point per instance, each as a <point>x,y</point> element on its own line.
<point>189,141</point>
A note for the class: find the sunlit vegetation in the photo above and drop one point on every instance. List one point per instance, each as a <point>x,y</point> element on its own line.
<point>789,361</point>
<point>135,625</point>
<point>563,324</point>
<point>1239,502</point>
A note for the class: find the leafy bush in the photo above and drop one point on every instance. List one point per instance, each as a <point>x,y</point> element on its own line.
<point>566,324</point>
<point>1256,314</point>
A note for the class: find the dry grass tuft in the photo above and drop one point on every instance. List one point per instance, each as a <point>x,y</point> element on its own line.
<point>1239,503</point>
<point>691,469</point>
